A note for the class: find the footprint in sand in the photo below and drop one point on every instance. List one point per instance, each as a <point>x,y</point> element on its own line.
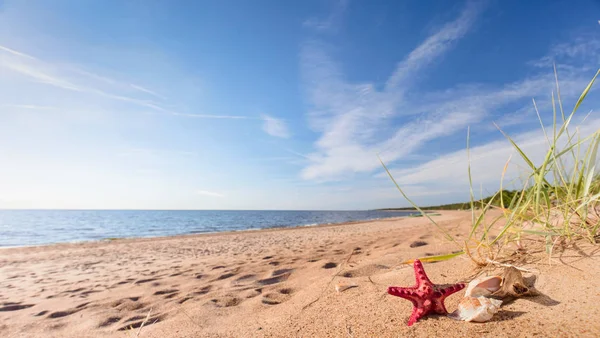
<point>146,322</point>
<point>225,276</point>
<point>278,277</point>
<point>245,280</point>
<point>109,321</point>
<point>274,298</point>
<point>253,293</point>
<point>329,265</point>
<point>127,281</point>
<point>147,280</point>
<point>11,306</point>
<point>165,292</point>
<point>203,290</point>
<point>417,244</point>
<point>366,270</point>
<point>127,304</point>
<point>281,272</point>
<point>286,291</point>
<point>169,293</point>
<point>60,314</point>
<point>226,301</point>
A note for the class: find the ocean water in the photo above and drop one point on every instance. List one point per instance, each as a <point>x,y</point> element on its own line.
<point>35,227</point>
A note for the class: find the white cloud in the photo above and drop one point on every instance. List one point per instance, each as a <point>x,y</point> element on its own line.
<point>487,162</point>
<point>351,117</point>
<point>275,127</point>
<point>357,121</point>
<point>583,48</point>
<point>14,52</point>
<point>435,45</point>
<point>209,193</point>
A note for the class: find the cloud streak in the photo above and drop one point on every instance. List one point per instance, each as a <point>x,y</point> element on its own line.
<point>275,127</point>
<point>357,121</point>
<point>434,46</point>
<point>351,117</point>
<point>487,162</point>
<point>332,22</point>
<point>84,82</point>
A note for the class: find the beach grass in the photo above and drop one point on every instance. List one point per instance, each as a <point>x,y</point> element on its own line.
<point>557,202</point>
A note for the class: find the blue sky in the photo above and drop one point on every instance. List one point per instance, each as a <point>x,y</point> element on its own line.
<point>278,104</point>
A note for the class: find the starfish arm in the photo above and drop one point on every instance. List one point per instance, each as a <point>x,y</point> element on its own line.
<point>447,291</point>
<point>440,296</point>
<point>425,296</point>
<point>406,293</point>
<point>418,313</point>
<point>439,307</point>
<point>420,274</point>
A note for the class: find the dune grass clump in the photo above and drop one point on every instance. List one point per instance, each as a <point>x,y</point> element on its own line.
<point>558,202</point>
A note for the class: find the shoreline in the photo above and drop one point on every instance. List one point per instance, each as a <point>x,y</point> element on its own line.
<point>225,232</point>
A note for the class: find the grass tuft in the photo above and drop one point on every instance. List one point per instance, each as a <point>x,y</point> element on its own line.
<point>558,202</point>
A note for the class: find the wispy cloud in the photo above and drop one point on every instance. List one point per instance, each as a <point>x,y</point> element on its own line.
<point>435,45</point>
<point>583,49</point>
<point>487,162</point>
<point>17,53</point>
<point>147,91</point>
<point>27,106</point>
<point>82,81</point>
<point>357,121</point>
<point>352,117</point>
<point>332,22</point>
<point>275,127</point>
<point>209,193</point>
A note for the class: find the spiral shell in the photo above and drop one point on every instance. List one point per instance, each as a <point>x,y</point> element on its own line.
<point>484,286</point>
<point>476,309</point>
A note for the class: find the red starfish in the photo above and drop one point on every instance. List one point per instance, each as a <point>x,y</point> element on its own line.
<point>426,297</point>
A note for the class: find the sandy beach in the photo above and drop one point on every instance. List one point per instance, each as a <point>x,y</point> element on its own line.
<point>278,283</point>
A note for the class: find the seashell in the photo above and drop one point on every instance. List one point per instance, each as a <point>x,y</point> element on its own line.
<point>514,285</point>
<point>341,286</point>
<point>484,286</point>
<point>476,309</point>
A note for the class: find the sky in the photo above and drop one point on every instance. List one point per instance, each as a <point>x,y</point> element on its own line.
<point>283,105</point>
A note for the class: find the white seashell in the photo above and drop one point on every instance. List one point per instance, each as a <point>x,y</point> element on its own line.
<point>341,286</point>
<point>476,309</point>
<point>484,286</point>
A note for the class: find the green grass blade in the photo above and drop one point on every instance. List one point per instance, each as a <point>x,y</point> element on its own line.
<point>438,258</point>
<point>448,236</point>
<point>586,91</point>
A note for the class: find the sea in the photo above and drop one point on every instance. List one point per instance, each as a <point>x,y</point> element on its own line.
<point>38,227</point>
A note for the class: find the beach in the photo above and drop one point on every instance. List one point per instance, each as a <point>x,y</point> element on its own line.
<point>280,283</point>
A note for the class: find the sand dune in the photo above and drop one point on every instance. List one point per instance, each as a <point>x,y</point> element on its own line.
<point>275,283</point>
